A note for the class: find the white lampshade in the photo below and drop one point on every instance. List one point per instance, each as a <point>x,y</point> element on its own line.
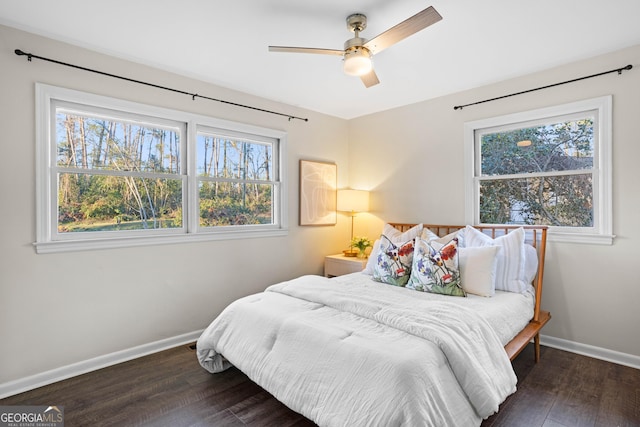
<point>357,62</point>
<point>353,200</point>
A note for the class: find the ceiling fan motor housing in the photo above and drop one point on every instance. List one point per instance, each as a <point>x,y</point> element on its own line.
<point>356,22</point>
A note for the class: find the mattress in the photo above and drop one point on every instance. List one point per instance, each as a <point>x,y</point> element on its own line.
<point>507,312</point>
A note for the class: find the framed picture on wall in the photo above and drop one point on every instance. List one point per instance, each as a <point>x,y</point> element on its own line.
<point>318,183</point>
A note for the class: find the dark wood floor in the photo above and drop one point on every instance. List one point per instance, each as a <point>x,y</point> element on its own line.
<point>171,389</point>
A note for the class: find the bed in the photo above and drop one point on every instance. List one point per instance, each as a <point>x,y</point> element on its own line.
<point>357,350</point>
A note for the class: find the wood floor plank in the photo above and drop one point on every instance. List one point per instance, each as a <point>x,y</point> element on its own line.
<point>620,404</point>
<point>187,417</point>
<point>263,409</point>
<point>578,400</point>
<point>551,423</point>
<point>528,407</point>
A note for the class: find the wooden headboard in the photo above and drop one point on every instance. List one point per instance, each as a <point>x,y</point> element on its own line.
<point>536,236</point>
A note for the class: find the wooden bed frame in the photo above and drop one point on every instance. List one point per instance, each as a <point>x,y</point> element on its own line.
<point>537,237</point>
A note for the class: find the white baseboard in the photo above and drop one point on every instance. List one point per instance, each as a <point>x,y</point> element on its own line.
<point>592,351</point>
<point>48,377</point>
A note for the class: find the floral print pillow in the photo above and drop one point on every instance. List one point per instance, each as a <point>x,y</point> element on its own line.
<point>393,262</point>
<point>435,268</point>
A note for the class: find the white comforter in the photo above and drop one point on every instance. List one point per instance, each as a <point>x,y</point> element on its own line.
<point>363,353</point>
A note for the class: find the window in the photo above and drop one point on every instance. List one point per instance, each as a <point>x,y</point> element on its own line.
<point>549,166</point>
<point>235,179</point>
<point>112,173</point>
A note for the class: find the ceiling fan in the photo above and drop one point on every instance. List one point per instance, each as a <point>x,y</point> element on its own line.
<point>357,52</point>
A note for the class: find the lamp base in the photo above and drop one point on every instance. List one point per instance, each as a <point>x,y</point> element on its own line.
<point>350,252</point>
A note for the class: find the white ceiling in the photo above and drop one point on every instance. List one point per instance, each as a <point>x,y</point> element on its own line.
<point>225,43</point>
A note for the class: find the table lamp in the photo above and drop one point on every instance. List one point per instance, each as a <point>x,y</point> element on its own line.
<point>352,201</point>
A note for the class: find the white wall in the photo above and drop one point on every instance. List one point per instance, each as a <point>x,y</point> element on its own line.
<point>411,158</point>
<point>59,309</point>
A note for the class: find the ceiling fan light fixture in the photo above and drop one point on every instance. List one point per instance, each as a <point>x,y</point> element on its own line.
<point>357,61</point>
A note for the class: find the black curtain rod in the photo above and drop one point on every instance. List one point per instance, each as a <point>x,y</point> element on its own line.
<point>618,70</point>
<point>192,95</point>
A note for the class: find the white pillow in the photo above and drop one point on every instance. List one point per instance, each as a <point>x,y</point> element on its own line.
<point>396,236</point>
<point>373,255</point>
<point>429,236</point>
<point>478,269</point>
<point>530,263</point>
<point>510,273</point>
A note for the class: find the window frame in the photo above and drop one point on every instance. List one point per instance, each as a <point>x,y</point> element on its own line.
<point>602,230</point>
<point>245,137</point>
<point>49,241</point>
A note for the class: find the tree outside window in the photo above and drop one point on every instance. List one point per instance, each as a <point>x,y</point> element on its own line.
<point>538,175</point>
<point>235,181</point>
<point>113,175</point>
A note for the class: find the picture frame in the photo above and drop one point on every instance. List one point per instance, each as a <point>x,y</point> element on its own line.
<point>318,193</point>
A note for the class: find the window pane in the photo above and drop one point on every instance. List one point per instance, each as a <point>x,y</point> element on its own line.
<point>115,203</point>
<point>233,203</point>
<point>96,143</point>
<point>235,159</point>
<point>561,146</point>
<point>556,200</point>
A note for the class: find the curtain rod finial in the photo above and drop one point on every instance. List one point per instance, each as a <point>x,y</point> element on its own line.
<point>22,53</point>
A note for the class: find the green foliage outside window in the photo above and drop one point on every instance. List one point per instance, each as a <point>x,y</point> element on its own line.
<point>538,175</point>
<point>114,175</point>
<point>235,186</point>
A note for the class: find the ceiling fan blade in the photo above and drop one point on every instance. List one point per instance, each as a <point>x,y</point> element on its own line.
<point>393,35</point>
<point>305,50</point>
<point>370,79</point>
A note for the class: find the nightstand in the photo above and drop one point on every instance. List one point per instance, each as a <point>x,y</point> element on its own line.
<point>337,265</point>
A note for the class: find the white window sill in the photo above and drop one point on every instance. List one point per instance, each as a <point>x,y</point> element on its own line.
<point>112,243</point>
<point>594,239</point>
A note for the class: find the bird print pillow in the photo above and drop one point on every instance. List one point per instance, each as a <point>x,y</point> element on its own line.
<point>435,268</point>
<point>393,263</point>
